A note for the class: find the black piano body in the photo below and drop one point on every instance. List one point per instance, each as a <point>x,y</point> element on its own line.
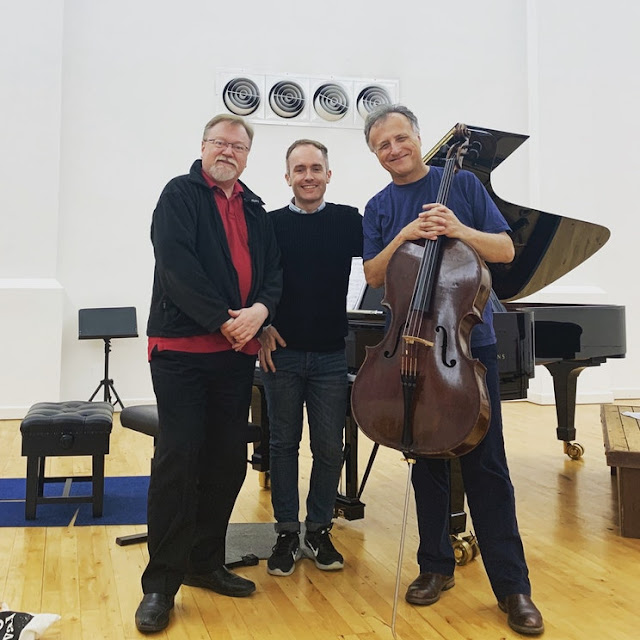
<point>567,339</point>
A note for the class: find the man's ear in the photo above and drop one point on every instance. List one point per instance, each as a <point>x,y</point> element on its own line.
<point>286,177</point>
<point>328,176</point>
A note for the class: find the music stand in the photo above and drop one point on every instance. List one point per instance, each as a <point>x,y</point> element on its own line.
<point>105,324</point>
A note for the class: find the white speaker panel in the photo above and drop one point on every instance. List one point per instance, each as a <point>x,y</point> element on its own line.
<point>295,100</point>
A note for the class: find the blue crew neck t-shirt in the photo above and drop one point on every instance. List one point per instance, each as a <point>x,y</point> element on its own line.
<point>398,204</point>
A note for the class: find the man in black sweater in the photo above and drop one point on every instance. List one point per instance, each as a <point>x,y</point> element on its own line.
<point>303,356</point>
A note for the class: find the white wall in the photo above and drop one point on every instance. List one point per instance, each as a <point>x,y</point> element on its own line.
<point>107,102</point>
<point>30,295</point>
<point>586,100</point>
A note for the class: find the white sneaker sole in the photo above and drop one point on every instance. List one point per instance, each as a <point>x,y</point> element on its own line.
<point>280,572</point>
<point>334,566</point>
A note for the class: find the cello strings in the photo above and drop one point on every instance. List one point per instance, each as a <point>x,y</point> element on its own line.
<point>426,272</point>
<point>430,261</point>
<point>414,318</point>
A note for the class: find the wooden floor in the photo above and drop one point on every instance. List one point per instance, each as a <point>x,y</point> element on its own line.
<point>585,577</point>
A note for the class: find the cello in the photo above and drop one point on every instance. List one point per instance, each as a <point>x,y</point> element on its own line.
<point>419,390</point>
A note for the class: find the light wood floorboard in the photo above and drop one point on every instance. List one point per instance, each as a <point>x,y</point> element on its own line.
<point>585,576</point>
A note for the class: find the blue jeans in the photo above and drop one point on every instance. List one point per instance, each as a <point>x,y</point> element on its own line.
<point>318,379</point>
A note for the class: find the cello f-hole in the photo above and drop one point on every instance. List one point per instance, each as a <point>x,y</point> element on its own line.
<point>390,354</point>
<point>443,348</point>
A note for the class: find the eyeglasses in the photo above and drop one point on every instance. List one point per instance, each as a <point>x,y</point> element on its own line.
<point>223,144</point>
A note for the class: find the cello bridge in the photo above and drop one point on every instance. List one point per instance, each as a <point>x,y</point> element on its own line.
<point>414,339</point>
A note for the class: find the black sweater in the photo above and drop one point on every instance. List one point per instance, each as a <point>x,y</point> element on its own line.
<point>316,250</point>
<point>195,282</point>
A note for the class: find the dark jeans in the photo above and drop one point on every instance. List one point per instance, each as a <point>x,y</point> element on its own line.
<point>490,498</point>
<point>200,461</point>
<point>319,380</point>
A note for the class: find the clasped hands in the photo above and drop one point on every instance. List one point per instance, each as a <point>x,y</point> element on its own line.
<point>434,220</point>
<point>244,324</point>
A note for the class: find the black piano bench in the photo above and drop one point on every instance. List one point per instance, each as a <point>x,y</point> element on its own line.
<point>65,429</point>
<point>622,449</point>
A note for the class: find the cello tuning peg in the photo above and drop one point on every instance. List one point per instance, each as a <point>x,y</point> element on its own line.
<point>474,151</point>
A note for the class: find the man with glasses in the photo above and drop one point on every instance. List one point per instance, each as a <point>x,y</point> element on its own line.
<point>407,210</point>
<point>217,281</point>
<point>317,240</point>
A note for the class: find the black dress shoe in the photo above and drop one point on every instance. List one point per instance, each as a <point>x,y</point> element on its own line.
<point>221,580</point>
<point>427,587</point>
<point>523,615</point>
<point>153,612</point>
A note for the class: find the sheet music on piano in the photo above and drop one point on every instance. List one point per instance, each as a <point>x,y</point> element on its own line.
<point>357,284</point>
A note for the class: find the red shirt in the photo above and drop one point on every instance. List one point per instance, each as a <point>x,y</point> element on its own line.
<point>235,227</point>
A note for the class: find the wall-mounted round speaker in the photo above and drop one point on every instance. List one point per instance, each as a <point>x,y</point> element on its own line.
<point>370,97</point>
<point>241,96</point>
<point>331,101</point>
<point>287,99</point>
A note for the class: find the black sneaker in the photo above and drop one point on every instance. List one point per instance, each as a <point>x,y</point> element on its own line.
<point>284,554</point>
<point>321,549</point>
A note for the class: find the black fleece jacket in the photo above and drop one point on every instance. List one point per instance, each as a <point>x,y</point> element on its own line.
<point>195,282</point>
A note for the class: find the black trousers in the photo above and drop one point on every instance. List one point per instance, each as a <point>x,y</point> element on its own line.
<point>200,461</point>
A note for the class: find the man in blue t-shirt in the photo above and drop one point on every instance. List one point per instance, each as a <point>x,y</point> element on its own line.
<point>406,210</point>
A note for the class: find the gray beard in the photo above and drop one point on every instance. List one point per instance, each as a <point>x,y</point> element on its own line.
<point>223,172</point>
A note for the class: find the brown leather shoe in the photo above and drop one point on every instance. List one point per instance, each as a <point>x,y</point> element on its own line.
<point>426,588</point>
<point>523,615</point>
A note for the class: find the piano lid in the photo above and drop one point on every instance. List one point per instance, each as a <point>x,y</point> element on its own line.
<point>547,245</point>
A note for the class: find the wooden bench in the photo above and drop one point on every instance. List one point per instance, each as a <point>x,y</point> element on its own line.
<point>622,449</point>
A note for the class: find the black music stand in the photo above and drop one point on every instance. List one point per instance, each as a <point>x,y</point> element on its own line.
<point>105,324</point>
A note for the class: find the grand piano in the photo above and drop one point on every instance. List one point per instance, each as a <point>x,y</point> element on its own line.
<point>565,338</point>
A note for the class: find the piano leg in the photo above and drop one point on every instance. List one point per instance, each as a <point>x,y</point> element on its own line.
<point>260,458</point>
<point>565,377</point>
<point>348,505</point>
<point>458,520</point>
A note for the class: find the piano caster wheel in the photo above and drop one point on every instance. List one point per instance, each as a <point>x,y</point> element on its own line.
<point>471,539</point>
<point>465,548</point>
<point>264,479</point>
<point>574,450</point>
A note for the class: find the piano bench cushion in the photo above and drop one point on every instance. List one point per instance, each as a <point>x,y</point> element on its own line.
<point>622,450</point>
<point>71,428</point>
<point>142,418</point>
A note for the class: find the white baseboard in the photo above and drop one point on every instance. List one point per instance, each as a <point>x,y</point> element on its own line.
<point>19,412</point>
<point>581,398</point>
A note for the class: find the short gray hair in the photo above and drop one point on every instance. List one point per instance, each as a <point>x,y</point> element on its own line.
<point>233,119</point>
<point>381,113</point>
